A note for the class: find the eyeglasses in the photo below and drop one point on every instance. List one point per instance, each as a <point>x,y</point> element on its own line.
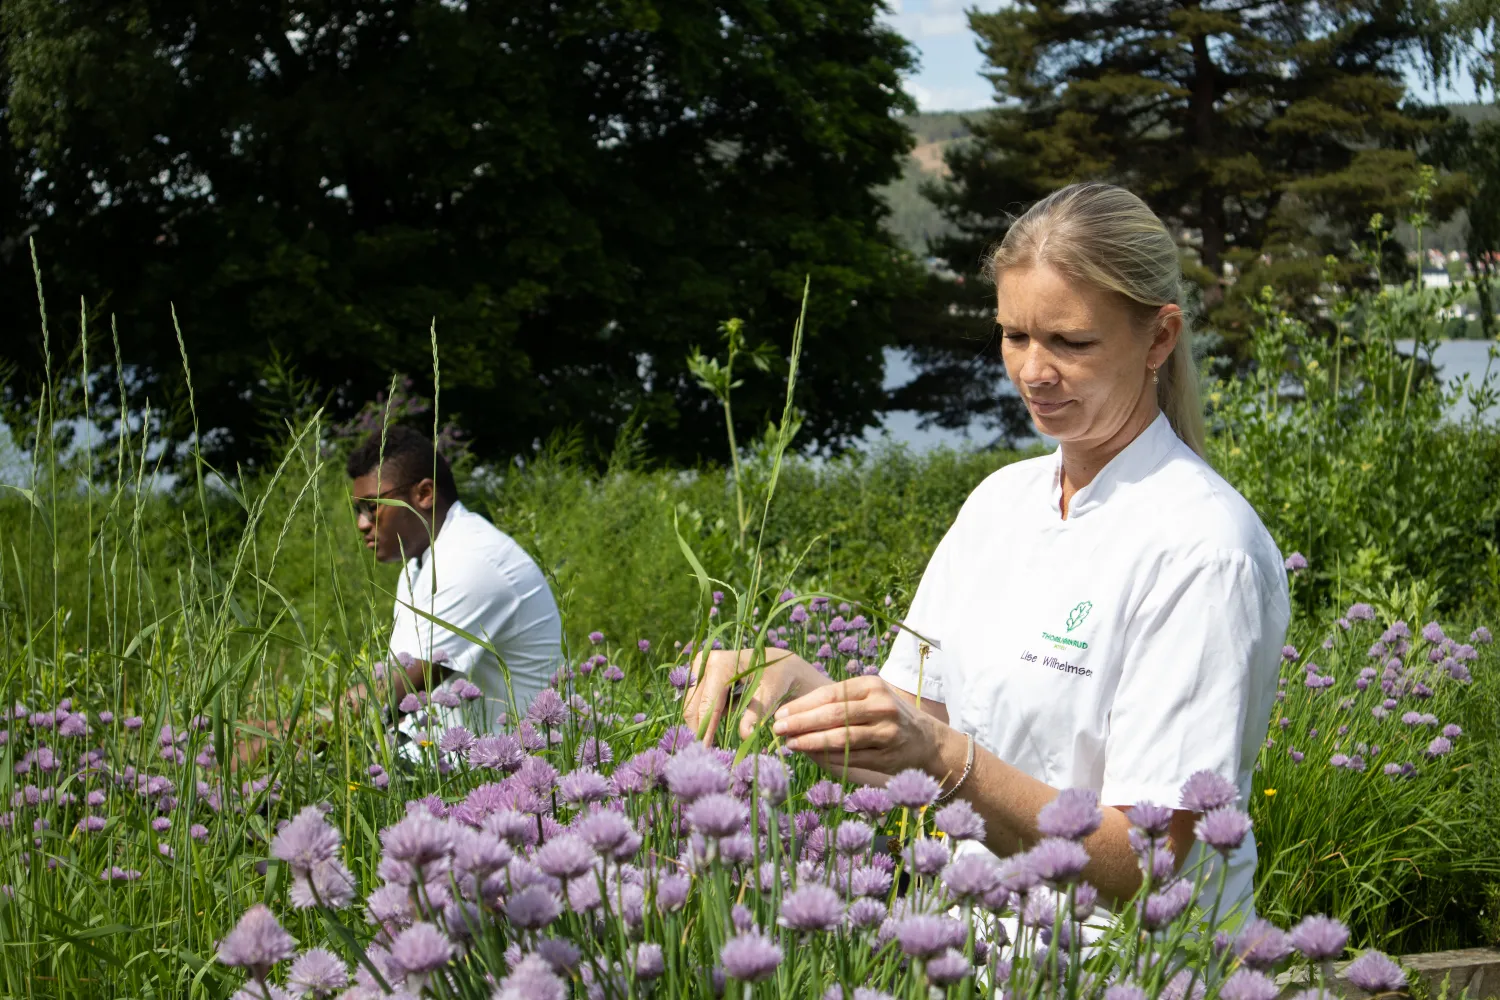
<point>365,506</point>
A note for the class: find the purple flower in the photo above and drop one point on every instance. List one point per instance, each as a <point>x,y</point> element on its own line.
<point>949,967</point>
<point>607,831</point>
<point>1439,746</point>
<point>749,957</point>
<point>565,856</point>
<point>1374,972</point>
<point>649,962</point>
<point>1319,937</point>
<point>865,913</point>
<point>305,841</point>
<point>971,876</point>
<point>1289,653</point>
<point>1479,637</point>
<point>480,853</point>
<point>678,677</point>
<point>1433,632</point>
<point>1296,562</point>
<point>421,949</point>
<point>198,832</point>
<point>1261,944</point>
<point>927,856</point>
<point>1360,613</point>
<point>825,795</point>
<point>533,907</point>
<point>717,815</point>
<point>72,726</point>
<point>1074,814</point>
<point>317,972</point>
<point>410,703</point>
<point>418,840</point>
<point>531,978</point>
<point>1224,829</point>
<point>960,821</point>
<point>695,772</point>
<point>672,892</point>
<point>812,907</point>
<point>853,836</point>
<point>1247,984</point>
<point>1167,905</point>
<point>1205,791</point>
<point>765,773</point>
<point>456,740</point>
<point>1125,991</point>
<point>257,942</point>
<point>870,802</point>
<point>1150,817</point>
<point>497,753</point>
<point>1058,860</point>
<point>583,786</point>
<point>926,936</point>
<point>596,637</point>
<point>912,789</point>
<point>547,708</point>
<point>134,722</point>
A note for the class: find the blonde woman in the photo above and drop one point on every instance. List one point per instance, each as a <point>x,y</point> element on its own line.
<point>1109,616</point>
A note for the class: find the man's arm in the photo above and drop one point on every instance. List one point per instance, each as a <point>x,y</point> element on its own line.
<point>400,680</point>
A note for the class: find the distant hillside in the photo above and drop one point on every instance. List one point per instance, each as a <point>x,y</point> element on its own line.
<point>914,221</point>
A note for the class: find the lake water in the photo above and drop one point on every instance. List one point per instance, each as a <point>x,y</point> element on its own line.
<point>1458,358</point>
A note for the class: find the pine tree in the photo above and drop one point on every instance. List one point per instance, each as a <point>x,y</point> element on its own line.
<point>1266,133</point>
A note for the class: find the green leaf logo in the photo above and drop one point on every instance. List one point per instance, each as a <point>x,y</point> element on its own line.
<point>1079,613</point>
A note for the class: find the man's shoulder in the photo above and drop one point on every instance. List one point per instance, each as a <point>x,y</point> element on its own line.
<point>478,543</point>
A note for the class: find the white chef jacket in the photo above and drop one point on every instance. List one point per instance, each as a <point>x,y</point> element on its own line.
<point>488,586</point>
<point>1121,649</point>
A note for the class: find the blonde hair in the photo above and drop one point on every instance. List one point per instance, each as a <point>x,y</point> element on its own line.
<point>1106,236</point>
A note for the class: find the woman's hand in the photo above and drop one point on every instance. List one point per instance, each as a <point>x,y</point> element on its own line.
<point>864,724</point>
<point>714,675</point>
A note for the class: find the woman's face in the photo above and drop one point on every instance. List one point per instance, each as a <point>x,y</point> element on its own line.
<point>1080,357</point>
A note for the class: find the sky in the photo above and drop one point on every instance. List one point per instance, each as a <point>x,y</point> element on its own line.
<point>948,78</point>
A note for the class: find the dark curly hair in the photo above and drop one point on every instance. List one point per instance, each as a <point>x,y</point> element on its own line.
<point>410,457</point>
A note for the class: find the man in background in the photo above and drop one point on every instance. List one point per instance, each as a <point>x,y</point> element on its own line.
<point>459,568</point>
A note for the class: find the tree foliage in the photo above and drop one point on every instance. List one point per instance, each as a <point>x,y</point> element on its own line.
<point>1265,131</point>
<point>576,195</point>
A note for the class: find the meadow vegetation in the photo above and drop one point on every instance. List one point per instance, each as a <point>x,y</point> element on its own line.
<point>146,633</point>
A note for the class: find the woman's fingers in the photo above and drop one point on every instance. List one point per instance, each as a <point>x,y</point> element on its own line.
<point>851,690</point>
<point>867,737</point>
<point>847,703</point>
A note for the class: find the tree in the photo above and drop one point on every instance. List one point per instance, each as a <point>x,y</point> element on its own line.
<point>576,194</point>
<point>1266,131</point>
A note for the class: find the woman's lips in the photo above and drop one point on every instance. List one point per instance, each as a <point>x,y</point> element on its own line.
<point>1046,409</point>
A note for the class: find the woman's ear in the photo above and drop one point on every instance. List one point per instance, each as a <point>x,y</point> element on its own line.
<point>1167,328</point>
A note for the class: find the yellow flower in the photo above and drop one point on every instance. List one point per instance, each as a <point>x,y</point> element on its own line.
<point>1270,792</point>
<point>1235,450</point>
<point>353,786</point>
<point>424,744</point>
<point>1312,365</point>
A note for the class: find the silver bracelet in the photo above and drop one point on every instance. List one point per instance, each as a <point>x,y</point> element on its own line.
<point>968,766</point>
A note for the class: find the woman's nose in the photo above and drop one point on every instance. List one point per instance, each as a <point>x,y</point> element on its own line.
<point>1037,367</point>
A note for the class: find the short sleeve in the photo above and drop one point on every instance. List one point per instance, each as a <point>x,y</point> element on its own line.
<point>1197,680</point>
<point>905,667</point>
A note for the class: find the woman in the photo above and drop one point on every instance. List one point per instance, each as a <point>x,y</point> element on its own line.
<point>1109,616</point>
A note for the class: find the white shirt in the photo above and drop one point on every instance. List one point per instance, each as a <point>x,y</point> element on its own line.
<point>488,586</point>
<point>1121,649</point>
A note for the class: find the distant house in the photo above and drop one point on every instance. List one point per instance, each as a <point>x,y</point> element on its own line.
<point>1436,277</point>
